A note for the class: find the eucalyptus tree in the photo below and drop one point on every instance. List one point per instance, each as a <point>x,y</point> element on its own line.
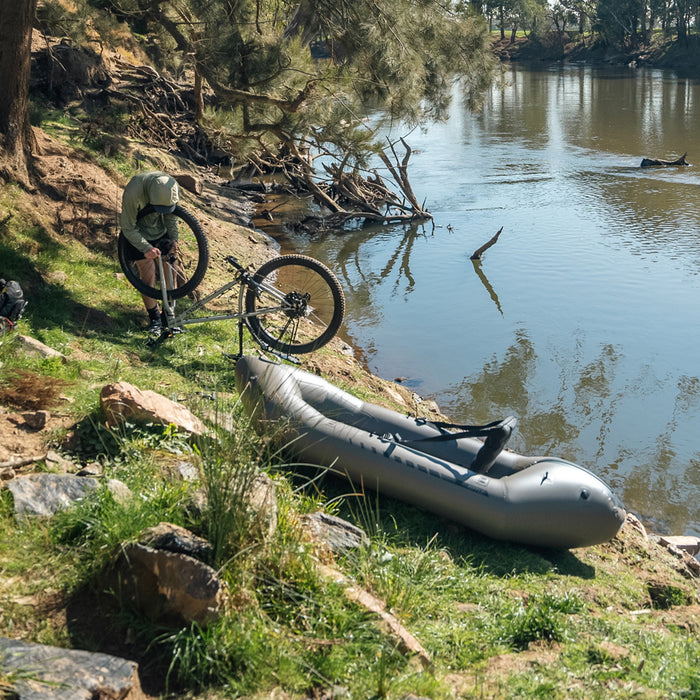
<point>16,138</point>
<point>621,22</point>
<point>580,10</point>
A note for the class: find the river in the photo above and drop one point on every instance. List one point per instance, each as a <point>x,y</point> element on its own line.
<point>583,319</point>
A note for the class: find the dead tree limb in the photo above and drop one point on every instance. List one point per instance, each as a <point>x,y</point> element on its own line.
<point>21,461</point>
<point>400,174</point>
<point>648,162</point>
<point>476,255</point>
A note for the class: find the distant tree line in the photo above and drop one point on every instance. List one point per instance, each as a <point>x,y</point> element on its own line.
<point>626,24</point>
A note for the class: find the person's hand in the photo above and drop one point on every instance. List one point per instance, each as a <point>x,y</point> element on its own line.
<point>152,254</point>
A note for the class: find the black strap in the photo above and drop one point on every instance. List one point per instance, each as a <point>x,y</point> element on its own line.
<point>496,433</point>
<point>467,430</point>
<point>148,209</point>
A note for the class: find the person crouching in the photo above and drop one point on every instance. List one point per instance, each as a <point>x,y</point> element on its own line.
<point>149,228</point>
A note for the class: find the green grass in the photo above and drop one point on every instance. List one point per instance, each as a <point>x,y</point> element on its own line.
<point>498,620</point>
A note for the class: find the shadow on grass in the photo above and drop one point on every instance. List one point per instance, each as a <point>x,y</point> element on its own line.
<point>51,305</point>
<point>96,622</point>
<point>408,525</point>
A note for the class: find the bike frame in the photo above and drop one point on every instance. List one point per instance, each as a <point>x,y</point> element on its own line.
<point>243,279</point>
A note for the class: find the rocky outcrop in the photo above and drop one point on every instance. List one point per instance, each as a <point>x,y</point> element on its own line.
<point>125,402</point>
<point>49,673</point>
<point>162,576</point>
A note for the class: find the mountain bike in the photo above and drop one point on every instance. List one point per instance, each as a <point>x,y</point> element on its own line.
<point>292,304</point>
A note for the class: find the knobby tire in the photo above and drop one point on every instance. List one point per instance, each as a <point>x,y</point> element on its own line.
<point>317,315</point>
<point>193,263</point>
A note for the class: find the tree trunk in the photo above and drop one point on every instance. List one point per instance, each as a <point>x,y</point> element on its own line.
<point>16,137</point>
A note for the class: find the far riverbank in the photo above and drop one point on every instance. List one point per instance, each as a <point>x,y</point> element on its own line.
<point>672,54</point>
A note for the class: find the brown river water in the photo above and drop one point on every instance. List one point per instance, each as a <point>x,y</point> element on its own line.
<point>583,321</point>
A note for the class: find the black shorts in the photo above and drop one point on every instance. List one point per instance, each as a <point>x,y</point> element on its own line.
<point>133,253</point>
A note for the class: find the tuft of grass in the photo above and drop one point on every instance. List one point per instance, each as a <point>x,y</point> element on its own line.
<point>540,618</point>
<point>665,595</point>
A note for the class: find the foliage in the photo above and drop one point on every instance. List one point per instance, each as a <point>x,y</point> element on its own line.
<point>306,72</point>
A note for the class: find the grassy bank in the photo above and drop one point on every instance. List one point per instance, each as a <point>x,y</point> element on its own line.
<point>617,620</point>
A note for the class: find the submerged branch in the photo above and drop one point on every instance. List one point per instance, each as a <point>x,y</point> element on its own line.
<point>476,255</point>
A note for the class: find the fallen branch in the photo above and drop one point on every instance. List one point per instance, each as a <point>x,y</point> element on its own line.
<point>476,255</point>
<point>407,643</point>
<point>400,175</point>
<point>647,162</point>
<point>21,461</point>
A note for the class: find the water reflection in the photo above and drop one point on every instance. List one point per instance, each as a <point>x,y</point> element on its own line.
<point>487,285</point>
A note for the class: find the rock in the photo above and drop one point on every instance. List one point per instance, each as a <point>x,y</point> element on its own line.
<point>633,521</point>
<point>169,587</point>
<point>173,538</point>
<point>186,471</point>
<point>36,420</point>
<point>122,401</point>
<point>394,395</point>
<point>45,494</point>
<point>30,347</point>
<point>91,469</point>
<point>337,533</point>
<point>189,183</point>
<point>685,542</point>
<point>40,672</point>
<point>58,461</point>
<point>261,500</point>
<point>119,490</point>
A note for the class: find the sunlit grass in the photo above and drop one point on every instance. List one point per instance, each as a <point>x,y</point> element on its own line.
<point>497,620</point>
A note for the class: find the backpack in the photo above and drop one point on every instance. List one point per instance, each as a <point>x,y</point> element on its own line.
<point>12,303</point>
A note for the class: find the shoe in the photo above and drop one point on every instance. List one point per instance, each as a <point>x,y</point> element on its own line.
<point>155,326</point>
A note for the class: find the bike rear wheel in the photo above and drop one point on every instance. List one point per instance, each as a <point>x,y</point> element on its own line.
<point>185,265</point>
<point>306,304</point>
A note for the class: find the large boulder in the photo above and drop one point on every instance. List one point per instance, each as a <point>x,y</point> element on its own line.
<point>125,402</point>
<point>40,672</point>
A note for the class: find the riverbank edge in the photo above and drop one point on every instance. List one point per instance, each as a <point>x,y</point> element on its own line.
<point>672,54</point>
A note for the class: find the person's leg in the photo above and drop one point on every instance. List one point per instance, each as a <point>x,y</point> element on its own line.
<point>147,273</point>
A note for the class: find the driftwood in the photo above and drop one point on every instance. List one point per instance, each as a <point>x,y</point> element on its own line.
<point>162,113</point>
<point>350,194</point>
<point>648,162</point>
<point>21,461</point>
<point>476,255</point>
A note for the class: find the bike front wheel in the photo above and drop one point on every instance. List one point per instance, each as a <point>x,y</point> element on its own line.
<point>184,266</point>
<point>294,304</point>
